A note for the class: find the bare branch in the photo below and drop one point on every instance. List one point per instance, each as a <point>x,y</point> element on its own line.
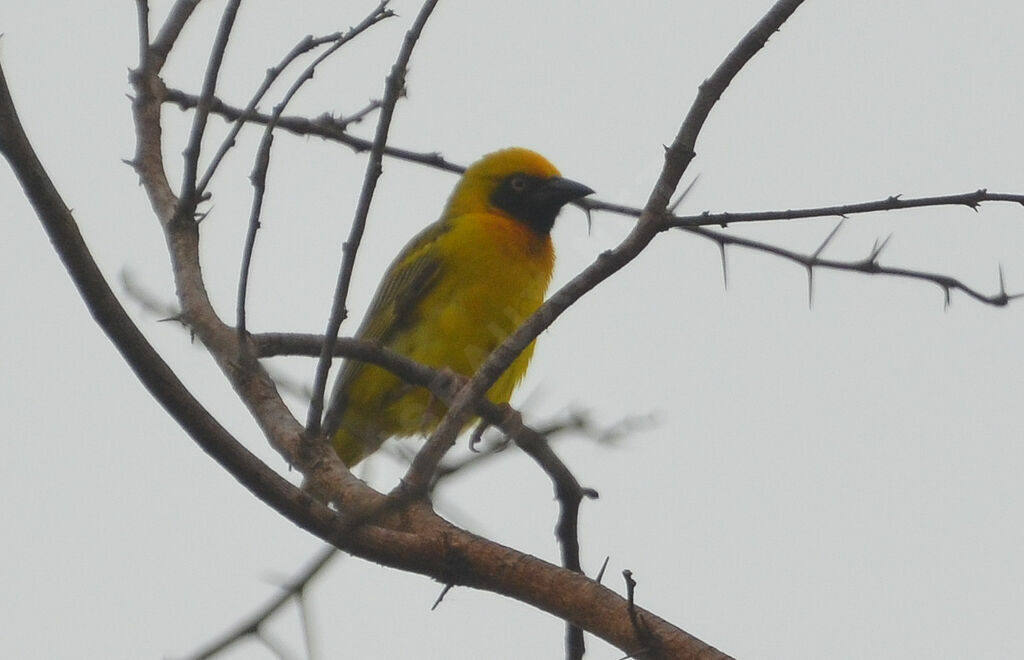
<point>307,44</point>
<point>251,624</point>
<point>969,199</point>
<point>868,265</point>
<point>325,126</point>
<point>393,89</point>
<point>142,10</point>
<point>188,198</point>
<point>169,32</point>
<point>259,172</point>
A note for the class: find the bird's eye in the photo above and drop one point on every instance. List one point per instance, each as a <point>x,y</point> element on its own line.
<point>517,183</point>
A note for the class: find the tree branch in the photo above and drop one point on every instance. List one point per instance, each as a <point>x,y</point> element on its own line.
<point>325,126</point>
<point>394,86</point>
<point>189,197</point>
<point>262,164</point>
<point>251,625</point>
<point>868,265</point>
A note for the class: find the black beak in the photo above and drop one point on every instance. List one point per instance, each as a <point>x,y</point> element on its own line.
<point>558,191</point>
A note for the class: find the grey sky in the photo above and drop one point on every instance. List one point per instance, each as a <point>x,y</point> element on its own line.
<point>835,482</point>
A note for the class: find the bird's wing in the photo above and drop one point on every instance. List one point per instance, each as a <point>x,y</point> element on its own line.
<point>407,281</point>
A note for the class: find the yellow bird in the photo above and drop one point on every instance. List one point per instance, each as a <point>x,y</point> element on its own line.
<point>452,295</point>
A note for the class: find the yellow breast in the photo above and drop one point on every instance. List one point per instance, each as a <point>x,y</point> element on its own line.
<point>494,273</point>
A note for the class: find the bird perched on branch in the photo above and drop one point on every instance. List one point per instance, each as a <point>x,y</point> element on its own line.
<point>453,294</point>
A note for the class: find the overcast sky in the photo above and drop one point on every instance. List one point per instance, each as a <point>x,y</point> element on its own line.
<point>835,481</point>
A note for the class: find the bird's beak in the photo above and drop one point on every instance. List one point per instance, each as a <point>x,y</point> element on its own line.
<point>558,191</point>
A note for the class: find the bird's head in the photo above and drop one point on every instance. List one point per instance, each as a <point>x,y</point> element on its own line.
<point>517,183</point>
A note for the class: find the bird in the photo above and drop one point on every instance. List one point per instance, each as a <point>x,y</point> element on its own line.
<point>452,295</point>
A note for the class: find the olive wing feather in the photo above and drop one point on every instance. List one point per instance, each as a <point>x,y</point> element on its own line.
<point>409,278</point>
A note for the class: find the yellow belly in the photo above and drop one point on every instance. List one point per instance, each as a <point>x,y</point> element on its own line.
<point>494,274</point>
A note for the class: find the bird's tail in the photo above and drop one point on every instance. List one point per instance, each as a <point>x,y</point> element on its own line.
<point>349,447</point>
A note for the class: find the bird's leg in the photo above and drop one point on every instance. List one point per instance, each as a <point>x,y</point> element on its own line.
<point>477,435</point>
<point>512,420</point>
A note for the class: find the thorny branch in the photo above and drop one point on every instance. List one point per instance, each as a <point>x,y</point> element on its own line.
<point>334,129</point>
<point>307,44</point>
<point>190,194</point>
<point>324,126</point>
<point>868,265</point>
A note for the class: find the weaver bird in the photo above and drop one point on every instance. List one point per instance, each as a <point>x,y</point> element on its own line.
<point>452,295</point>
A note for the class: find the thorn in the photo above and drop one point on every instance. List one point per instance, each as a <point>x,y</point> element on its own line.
<point>725,266</point>
<point>1002,280</point>
<point>948,292</point>
<point>979,197</point>
<point>686,191</point>
<point>828,239</point>
<point>877,249</point>
<point>810,287</point>
<point>444,592</point>
<point>590,220</point>
<point>600,573</point>
<point>627,575</point>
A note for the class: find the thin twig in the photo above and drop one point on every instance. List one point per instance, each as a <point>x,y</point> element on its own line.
<point>393,89</point>
<point>171,29</point>
<point>262,161</point>
<point>868,265</point>
<point>304,46</point>
<point>361,114</point>
<point>187,199</point>
<point>249,625</point>
<point>324,126</point>
<point>142,9</point>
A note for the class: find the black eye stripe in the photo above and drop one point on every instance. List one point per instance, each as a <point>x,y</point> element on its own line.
<point>516,195</point>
